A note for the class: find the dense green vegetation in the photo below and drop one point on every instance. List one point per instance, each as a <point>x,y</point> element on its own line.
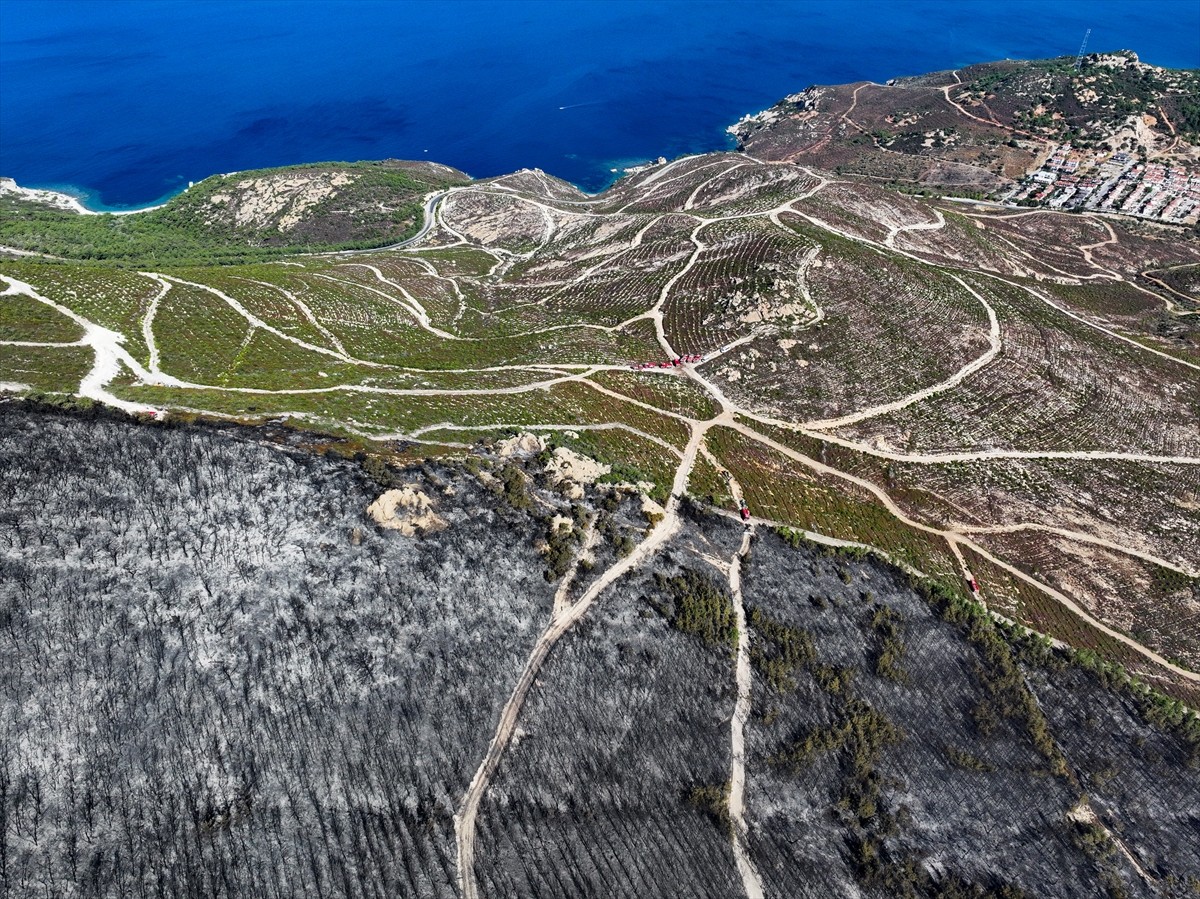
<point>885,622</point>
<point>693,603</point>
<point>777,650</point>
<point>25,319</point>
<point>562,542</point>
<point>512,486</point>
<point>381,205</point>
<point>860,729</point>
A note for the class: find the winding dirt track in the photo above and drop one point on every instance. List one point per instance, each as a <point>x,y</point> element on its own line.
<point>955,537</point>
<point>111,358</point>
<point>560,623</point>
<point>751,881</point>
<point>951,382</point>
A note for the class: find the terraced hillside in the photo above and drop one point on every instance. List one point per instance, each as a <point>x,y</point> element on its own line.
<point>1004,404</point>
<point>967,390</point>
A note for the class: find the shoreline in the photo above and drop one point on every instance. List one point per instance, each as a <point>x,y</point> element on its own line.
<point>74,199</point>
<point>68,202</point>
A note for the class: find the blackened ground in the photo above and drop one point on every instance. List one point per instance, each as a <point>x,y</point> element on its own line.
<point>1138,778</point>
<point>626,727</point>
<point>968,795</point>
<point>219,678</point>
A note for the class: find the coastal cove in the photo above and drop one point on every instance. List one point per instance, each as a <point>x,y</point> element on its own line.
<point>577,89</point>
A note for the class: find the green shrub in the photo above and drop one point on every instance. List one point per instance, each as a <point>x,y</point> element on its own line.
<point>964,759</point>
<point>696,605</point>
<point>833,679</point>
<point>860,730</point>
<point>777,650</point>
<point>713,800</point>
<point>512,481</point>
<point>890,645</point>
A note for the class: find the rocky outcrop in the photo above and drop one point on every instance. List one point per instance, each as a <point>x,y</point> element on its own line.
<point>407,510</point>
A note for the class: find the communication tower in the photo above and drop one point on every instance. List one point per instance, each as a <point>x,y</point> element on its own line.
<point>1082,47</point>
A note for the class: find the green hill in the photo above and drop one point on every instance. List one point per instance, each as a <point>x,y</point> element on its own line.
<point>244,216</point>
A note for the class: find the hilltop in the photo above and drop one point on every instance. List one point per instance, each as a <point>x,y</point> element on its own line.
<point>981,129</point>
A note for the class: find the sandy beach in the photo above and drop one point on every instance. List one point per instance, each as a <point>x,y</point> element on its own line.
<point>60,200</point>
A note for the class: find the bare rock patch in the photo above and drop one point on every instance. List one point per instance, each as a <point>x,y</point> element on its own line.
<point>407,510</point>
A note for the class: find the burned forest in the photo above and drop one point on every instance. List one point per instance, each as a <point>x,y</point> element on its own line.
<point>222,677</point>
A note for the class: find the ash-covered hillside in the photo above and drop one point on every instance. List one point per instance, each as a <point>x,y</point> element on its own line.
<point>219,677</point>
<point>903,746</point>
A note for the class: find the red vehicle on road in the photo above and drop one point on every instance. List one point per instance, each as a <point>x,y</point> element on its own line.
<point>745,512</point>
<point>670,363</point>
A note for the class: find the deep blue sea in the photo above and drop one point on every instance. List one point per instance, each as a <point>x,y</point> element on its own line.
<point>125,101</point>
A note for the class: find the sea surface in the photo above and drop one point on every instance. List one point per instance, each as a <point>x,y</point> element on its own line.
<point>124,102</point>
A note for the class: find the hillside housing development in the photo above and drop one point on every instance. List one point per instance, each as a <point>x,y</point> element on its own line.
<point>1124,183</point>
